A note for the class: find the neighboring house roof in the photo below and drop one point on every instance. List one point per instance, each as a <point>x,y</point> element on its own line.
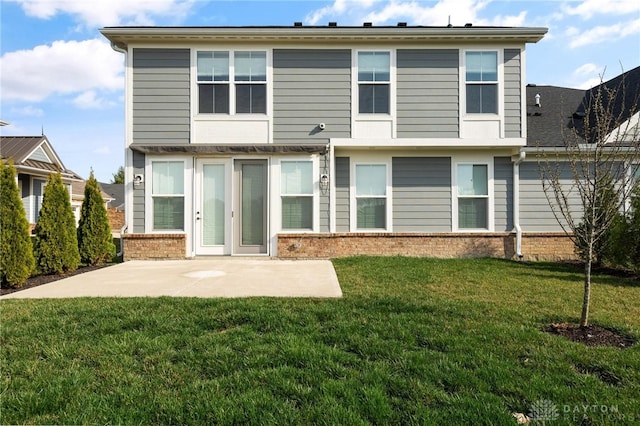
<point>33,154</point>
<point>77,192</point>
<point>563,109</point>
<point>116,192</point>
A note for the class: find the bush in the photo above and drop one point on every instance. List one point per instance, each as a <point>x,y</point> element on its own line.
<point>56,243</point>
<point>95,242</point>
<point>16,252</point>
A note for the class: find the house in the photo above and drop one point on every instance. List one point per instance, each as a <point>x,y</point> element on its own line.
<point>115,205</point>
<point>35,159</point>
<point>553,113</point>
<point>325,141</point>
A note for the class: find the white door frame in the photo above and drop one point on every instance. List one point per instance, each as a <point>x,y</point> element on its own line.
<point>200,247</point>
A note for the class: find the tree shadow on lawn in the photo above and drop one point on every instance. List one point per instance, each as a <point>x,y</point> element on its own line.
<point>574,272</point>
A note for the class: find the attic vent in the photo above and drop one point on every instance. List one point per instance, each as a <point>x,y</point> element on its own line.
<point>538,100</point>
<point>367,24</point>
<point>468,25</point>
<point>297,24</point>
<point>333,24</point>
<point>402,24</point>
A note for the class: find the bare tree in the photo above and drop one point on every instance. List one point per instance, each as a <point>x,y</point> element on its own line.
<point>588,180</point>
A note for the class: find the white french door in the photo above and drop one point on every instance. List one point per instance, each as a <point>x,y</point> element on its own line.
<point>213,207</point>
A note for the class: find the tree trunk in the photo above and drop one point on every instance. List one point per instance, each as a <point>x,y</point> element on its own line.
<point>584,320</point>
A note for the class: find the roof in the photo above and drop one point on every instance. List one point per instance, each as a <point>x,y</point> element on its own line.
<point>22,150</point>
<point>122,36</point>
<point>115,192</point>
<point>563,109</point>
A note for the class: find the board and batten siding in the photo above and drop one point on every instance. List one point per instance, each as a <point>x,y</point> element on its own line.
<point>421,194</point>
<point>161,96</point>
<point>138,193</point>
<point>503,194</point>
<point>428,104</point>
<point>342,194</point>
<point>512,94</point>
<point>535,213</point>
<point>310,87</point>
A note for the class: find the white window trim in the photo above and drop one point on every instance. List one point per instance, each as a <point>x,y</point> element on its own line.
<point>277,207</point>
<point>232,115</point>
<point>188,196</point>
<point>353,203</point>
<point>464,116</point>
<point>490,193</point>
<point>355,100</point>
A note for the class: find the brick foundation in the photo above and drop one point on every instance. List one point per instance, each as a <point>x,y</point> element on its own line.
<point>500,245</point>
<point>154,246</point>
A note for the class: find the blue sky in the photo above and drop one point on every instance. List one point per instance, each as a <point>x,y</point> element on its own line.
<point>59,74</point>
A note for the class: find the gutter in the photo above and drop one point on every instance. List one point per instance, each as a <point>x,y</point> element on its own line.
<point>516,201</point>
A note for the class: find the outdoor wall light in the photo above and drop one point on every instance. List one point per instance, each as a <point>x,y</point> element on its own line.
<point>137,180</point>
<point>324,181</point>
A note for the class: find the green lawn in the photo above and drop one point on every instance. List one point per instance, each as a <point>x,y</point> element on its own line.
<point>413,341</point>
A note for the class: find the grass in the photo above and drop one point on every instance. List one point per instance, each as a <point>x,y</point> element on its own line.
<point>413,341</point>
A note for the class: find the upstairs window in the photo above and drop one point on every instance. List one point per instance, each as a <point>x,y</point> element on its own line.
<point>251,82</point>
<point>482,82</point>
<point>245,93</point>
<point>373,82</point>
<point>213,82</point>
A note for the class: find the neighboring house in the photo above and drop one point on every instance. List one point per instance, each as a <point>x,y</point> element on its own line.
<point>35,159</point>
<point>77,198</point>
<point>115,207</point>
<point>325,141</point>
<point>552,115</point>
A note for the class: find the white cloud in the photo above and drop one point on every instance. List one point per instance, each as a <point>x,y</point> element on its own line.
<point>415,12</point>
<point>96,13</point>
<point>589,8</point>
<point>28,111</point>
<point>88,100</point>
<point>605,34</point>
<point>586,69</point>
<point>64,67</point>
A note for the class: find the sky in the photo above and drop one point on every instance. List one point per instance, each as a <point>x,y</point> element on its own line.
<point>59,75</point>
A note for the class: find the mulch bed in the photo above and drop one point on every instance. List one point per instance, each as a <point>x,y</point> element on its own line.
<point>45,279</point>
<point>591,335</point>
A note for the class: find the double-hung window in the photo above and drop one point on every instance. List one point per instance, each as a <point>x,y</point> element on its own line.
<point>371,196</point>
<point>167,194</point>
<point>473,196</point>
<point>213,82</point>
<point>296,190</point>
<point>481,79</point>
<point>245,93</point>
<point>374,70</point>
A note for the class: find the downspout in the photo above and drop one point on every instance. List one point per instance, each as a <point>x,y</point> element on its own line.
<point>125,226</point>
<point>516,201</point>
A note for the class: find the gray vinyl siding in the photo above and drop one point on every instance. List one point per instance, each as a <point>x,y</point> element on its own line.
<point>503,194</point>
<point>37,197</point>
<point>161,96</point>
<point>325,207</point>
<point>421,194</point>
<point>311,87</point>
<point>25,196</point>
<point>535,213</point>
<point>342,194</point>
<point>512,95</point>
<point>427,93</point>
<point>39,155</point>
<point>138,194</point>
